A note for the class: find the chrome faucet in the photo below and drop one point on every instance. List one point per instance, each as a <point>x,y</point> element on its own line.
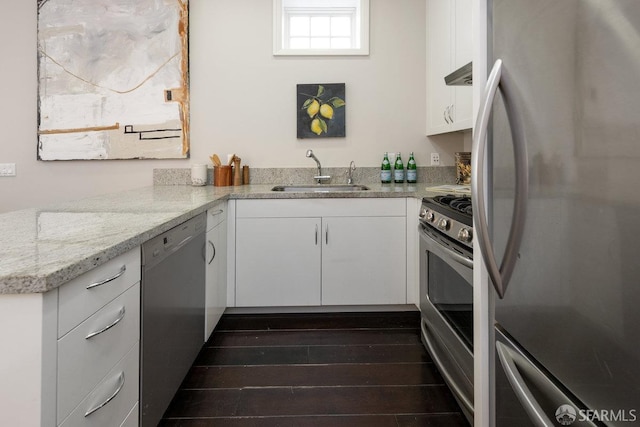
<point>352,167</point>
<point>318,177</point>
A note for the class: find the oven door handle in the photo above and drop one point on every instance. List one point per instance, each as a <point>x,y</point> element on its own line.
<point>452,254</point>
<point>500,276</point>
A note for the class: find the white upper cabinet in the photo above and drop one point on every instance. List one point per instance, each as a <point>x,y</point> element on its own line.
<point>449,47</point>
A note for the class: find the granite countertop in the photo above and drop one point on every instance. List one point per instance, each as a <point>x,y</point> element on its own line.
<point>46,247</point>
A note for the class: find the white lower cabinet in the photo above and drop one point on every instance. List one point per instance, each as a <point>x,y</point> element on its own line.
<point>216,271</point>
<point>97,372</point>
<point>320,252</point>
<point>364,261</point>
<point>74,351</point>
<point>277,261</point>
<point>90,350</point>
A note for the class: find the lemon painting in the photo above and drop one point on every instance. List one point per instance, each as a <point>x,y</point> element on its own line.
<point>321,110</point>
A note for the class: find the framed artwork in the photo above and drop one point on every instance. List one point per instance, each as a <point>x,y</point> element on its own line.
<point>321,110</point>
<point>113,79</point>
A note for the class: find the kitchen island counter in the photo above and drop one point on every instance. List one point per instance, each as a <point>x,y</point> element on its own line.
<point>42,248</point>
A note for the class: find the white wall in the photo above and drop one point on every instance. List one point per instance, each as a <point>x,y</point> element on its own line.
<point>243,100</point>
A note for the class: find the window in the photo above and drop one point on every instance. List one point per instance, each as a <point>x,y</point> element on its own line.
<point>321,27</point>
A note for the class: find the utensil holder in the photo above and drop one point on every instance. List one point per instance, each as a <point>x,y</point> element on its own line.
<point>222,176</point>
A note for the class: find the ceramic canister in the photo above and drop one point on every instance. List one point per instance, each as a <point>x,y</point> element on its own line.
<point>198,174</point>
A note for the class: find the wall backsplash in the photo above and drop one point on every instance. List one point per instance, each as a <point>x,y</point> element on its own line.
<point>288,176</point>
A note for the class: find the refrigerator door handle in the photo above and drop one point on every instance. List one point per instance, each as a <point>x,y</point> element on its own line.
<point>514,363</point>
<point>500,276</point>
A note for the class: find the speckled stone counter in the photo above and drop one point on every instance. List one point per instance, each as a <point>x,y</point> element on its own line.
<point>40,249</point>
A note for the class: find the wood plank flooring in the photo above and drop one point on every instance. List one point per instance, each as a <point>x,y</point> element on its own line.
<point>329,369</point>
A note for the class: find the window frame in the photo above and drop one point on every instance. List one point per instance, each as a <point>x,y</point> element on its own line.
<point>360,32</point>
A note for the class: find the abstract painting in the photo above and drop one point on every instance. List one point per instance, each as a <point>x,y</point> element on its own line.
<point>321,110</point>
<point>113,79</point>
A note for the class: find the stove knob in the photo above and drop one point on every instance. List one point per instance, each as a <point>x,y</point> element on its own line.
<point>465,235</point>
<point>443,224</point>
<point>423,213</point>
<point>430,216</point>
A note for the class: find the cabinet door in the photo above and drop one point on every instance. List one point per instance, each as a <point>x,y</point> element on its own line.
<point>364,260</point>
<point>216,277</point>
<point>440,49</point>
<point>462,110</point>
<point>277,261</point>
<point>449,47</point>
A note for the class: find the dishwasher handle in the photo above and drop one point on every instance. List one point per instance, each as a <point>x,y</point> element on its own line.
<point>163,246</point>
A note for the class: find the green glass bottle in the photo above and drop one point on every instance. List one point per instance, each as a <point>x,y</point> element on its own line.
<point>398,173</point>
<point>385,170</point>
<point>412,170</point>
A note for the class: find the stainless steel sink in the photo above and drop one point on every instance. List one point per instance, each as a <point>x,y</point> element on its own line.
<point>319,188</point>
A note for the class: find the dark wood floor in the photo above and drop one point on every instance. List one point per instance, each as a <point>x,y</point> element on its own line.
<point>353,369</point>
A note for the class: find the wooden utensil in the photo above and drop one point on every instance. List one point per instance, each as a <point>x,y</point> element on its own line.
<point>216,160</point>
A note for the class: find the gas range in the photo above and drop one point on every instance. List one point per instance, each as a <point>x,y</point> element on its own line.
<point>451,215</point>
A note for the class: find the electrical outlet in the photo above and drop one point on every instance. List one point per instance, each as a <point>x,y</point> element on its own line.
<point>435,159</point>
<point>7,169</point>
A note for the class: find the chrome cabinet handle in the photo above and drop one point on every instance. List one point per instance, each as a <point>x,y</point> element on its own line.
<point>110,398</point>
<point>316,234</point>
<point>214,252</point>
<point>110,279</point>
<point>500,276</point>
<point>434,355</point>
<point>216,213</point>
<point>109,326</point>
<point>444,114</point>
<point>326,235</point>
<point>449,112</point>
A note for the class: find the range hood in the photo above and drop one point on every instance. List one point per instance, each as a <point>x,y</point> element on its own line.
<point>463,76</point>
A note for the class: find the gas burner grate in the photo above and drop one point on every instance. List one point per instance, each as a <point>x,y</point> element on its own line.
<point>458,203</point>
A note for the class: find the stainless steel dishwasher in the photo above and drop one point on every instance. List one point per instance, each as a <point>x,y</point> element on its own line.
<point>173,299</point>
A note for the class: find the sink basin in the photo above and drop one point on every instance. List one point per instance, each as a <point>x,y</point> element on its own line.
<point>319,188</point>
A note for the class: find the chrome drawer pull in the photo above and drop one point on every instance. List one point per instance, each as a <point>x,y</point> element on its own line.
<point>110,398</point>
<point>118,274</point>
<point>106,328</point>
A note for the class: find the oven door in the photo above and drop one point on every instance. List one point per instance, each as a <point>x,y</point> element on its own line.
<point>446,304</point>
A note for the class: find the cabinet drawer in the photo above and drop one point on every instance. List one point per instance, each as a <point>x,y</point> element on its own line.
<point>117,393</point>
<point>76,302</point>
<point>83,361</point>
<point>216,215</point>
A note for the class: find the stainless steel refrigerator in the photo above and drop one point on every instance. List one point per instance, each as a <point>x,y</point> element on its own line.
<point>560,174</point>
